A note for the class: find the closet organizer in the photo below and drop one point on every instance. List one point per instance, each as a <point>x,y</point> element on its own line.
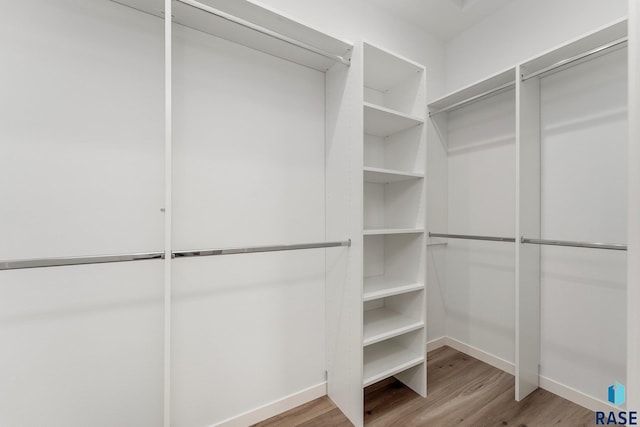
<point>536,216</point>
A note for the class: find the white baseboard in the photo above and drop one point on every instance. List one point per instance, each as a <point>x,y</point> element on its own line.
<point>274,408</point>
<point>548,384</point>
<point>575,396</point>
<point>437,343</point>
<point>482,355</point>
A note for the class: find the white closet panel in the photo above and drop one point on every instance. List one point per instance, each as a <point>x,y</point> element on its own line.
<point>481,201</point>
<point>81,158</point>
<point>584,193</point>
<point>82,346</point>
<point>248,170</point>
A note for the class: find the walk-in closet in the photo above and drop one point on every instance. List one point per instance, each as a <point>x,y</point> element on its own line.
<point>286,213</point>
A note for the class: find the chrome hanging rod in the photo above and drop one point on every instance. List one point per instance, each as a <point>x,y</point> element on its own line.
<point>256,249</point>
<point>265,31</point>
<point>65,261</point>
<point>578,57</point>
<point>102,259</point>
<point>614,246</point>
<point>471,237</point>
<point>475,98</point>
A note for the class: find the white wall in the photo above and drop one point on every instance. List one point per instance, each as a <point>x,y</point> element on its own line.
<point>479,296</point>
<point>520,30</point>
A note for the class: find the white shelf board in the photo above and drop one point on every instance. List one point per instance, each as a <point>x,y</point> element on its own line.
<point>485,85</point>
<point>382,286</point>
<point>381,324</point>
<point>385,359</point>
<point>385,176</point>
<point>258,15</point>
<point>381,121</point>
<point>384,70</point>
<point>582,44</point>
<point>382,231</point>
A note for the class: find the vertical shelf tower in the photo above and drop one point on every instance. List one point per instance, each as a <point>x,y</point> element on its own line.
<point>394,338</point>
<point>376,193</point>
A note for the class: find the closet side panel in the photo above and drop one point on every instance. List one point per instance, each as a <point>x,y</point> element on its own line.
<point>344,199</point>
<point>247,329</point>
<point>81,172</point>
<point>528,225</point>
<point>633,276</point>
<point>584,198</point>
<point>437,196</point>
<point>481,180</point>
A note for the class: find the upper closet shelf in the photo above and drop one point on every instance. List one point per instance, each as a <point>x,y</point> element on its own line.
<point>587,47</point>
<point>381,121</point>
<point>254,26</point>
<point>493,85</point>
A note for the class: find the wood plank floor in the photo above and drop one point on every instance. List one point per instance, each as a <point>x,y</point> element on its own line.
<point>463,391</point>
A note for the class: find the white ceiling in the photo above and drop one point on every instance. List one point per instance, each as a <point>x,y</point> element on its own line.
<point>443,18</point>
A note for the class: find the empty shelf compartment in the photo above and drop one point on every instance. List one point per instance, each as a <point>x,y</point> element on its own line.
<point>387,358</point>
<point>380,121</point>
<point>382,323</point>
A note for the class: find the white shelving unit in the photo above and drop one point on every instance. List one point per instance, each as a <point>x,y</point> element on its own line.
<point>376,294</point>
<point>394,337</point>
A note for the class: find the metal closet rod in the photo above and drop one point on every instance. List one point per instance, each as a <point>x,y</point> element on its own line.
<point>472,237</point>
<point>474,98</point>
<point>549,242</point>
<point>575,58</point>
<point>257,249</point>
<point>102,259</point>
<point>81,260</point>
<point>611,246</point>
<point>265,31</point>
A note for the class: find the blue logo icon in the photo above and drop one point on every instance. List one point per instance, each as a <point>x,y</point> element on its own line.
<point>617,418</point>
<point>616,394</point>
